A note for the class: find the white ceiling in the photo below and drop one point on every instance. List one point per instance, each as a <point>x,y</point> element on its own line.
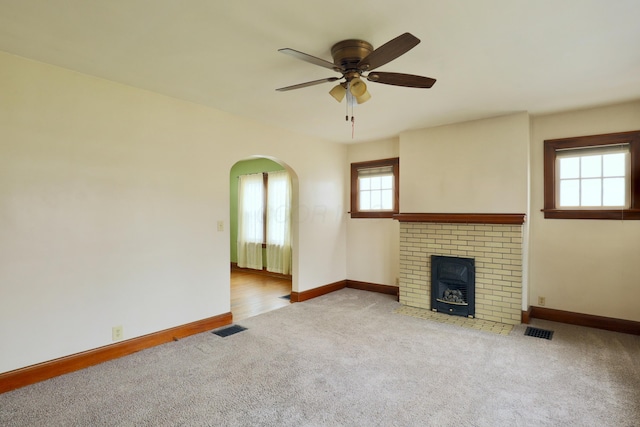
<point>490,57</point>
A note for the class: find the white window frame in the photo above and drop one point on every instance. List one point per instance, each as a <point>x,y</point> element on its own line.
<point>582,153</point>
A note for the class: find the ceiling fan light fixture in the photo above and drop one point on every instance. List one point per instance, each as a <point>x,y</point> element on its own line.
<point>338,92</point>
<point>364,97</point>
<point>357,87</point>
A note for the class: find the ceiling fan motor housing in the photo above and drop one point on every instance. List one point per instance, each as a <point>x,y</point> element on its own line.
<point>348,53</point>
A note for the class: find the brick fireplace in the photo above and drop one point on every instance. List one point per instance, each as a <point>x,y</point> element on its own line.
<point>494,241</point>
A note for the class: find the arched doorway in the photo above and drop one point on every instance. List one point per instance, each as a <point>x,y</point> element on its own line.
<point>254,289</point>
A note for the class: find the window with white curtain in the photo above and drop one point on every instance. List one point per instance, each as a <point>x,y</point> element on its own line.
<point>250,220</point>
<point>279,222</point>
<point>264,220</point>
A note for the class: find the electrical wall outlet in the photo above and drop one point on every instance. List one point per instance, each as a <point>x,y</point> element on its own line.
<point>397,281</point>
<point>116,333</point>
<point>542,301</point>
<point>220,225</point>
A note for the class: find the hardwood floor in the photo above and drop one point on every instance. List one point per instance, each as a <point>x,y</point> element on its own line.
<point>255,293</point>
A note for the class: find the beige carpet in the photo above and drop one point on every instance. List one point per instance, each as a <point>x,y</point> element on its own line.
<point>347,359</point>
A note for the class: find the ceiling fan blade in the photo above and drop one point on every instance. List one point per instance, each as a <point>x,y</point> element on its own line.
<point>388,52</point>
<point>311,83</point>
<point>399,79</point>
<point>312,59</point>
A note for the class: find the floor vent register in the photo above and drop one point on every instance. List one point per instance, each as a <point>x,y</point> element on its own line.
<point>233,329</point>
<point>538,333</point>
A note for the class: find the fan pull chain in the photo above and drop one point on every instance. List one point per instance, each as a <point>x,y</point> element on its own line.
<point>346,117</point>
<point>350,103</point>
<point>346,104</point>
<point>353,126</point>
<point>353,119</point>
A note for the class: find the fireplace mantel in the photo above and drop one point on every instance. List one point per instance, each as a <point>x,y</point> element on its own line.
<point>466,218</point>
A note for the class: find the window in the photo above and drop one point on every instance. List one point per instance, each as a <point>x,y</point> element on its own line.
<point>593,177</point>
<point>375,188</point>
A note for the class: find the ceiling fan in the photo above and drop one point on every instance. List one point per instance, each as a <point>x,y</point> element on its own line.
<point>356,59</point>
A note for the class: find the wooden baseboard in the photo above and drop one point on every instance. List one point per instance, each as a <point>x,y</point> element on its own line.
<point>373,287</point>
<point>316,292</point>
<point>332,287</point>
<point>589,320</point>
<point>53,368</point>
<point>526,316</point>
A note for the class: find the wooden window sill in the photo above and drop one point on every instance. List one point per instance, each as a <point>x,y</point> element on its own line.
<point>609,214</point>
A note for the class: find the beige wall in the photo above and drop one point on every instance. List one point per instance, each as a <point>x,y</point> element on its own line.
<point>471,167</point>
<point>109,199</point>
<point>372,243</point>
<point>583,266</point>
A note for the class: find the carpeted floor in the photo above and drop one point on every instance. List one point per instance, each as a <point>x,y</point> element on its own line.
<point>346,359</point>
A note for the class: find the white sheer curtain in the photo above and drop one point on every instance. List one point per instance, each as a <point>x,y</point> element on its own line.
<point>250,220</point>
<point>279,222</point>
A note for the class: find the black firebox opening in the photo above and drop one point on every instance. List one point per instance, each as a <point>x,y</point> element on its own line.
<point>453,285</point>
